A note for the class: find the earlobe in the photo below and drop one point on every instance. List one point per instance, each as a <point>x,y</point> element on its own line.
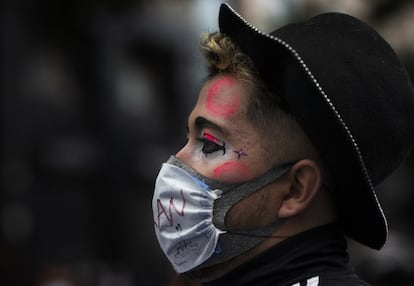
<point>305,179</point>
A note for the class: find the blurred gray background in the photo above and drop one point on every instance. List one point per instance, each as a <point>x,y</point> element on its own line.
<point>95,96</point>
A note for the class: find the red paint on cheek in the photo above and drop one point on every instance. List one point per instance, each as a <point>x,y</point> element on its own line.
<point>223,97</point>
<point>232,172</point>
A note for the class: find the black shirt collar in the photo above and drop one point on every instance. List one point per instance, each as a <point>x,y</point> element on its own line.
<point>316,251</point>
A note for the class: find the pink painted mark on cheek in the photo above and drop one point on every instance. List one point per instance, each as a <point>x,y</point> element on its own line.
<point>232,172</point>
<point>223,97</point>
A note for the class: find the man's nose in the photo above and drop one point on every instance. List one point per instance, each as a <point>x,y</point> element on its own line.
<point>181,154</point>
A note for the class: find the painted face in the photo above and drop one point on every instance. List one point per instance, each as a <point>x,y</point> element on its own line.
<point>222,143</point>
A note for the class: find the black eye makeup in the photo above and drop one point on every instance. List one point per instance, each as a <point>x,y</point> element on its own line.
<point>211,144</point>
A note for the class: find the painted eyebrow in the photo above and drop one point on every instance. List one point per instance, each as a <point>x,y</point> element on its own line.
<point>201,122</point>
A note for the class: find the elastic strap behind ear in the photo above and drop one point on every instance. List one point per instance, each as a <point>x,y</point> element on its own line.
<point>228,199</point>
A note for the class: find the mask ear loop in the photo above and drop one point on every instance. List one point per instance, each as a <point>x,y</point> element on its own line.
<point>228,199</point>
<point>233,243</point>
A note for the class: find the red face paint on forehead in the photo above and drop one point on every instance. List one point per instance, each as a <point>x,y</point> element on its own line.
<point>232,172</point>
<point>223,98</point>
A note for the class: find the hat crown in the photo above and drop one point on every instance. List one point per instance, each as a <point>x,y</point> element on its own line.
<point>364,80</point>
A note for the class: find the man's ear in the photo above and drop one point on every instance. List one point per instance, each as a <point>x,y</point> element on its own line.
<point>305,179</point>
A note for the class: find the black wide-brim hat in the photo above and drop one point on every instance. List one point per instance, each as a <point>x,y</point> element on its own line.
<point>347,89</point>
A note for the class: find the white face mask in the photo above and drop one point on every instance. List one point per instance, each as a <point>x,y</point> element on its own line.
<point>189,212</point>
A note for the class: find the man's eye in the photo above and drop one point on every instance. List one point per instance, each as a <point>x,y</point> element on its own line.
<point>211,144</point>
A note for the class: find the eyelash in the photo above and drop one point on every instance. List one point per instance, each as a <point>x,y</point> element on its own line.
<point>211,147</point>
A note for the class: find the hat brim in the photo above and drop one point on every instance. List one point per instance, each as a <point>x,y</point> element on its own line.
<point>283,68</point>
